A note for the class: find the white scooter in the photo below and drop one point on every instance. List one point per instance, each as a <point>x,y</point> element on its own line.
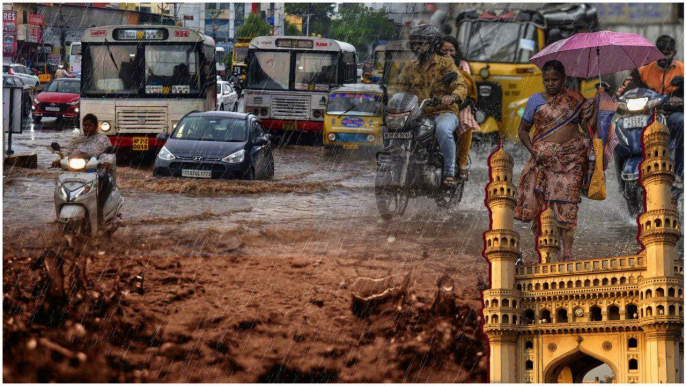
<point>76,196</point>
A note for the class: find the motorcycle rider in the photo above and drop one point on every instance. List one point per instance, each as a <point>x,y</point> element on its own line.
<point>421,76</point>
<point>93,144</point>
<point>658,77</point>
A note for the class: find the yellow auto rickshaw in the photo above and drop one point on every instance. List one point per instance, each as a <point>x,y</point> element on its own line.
<point>498,47</point>
<point>354,117</point>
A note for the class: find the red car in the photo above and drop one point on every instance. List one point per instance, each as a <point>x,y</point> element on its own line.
<point>59,99</point>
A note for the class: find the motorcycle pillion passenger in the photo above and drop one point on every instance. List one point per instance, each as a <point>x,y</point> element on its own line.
<point>92,144</point>
<point>660,77</point>
<point>422,77</point>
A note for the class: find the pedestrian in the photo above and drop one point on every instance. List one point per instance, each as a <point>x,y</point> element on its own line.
<point>559,154</point>
<point>61,72</point>
<point>450,48</point>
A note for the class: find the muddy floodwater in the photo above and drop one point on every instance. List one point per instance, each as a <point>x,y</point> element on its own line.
<point>237,281</point>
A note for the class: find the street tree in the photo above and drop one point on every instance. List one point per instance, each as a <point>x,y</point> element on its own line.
<point>361,26</point>
<point>291,29</point>
<point>253,26</point>
<point>320,16</point>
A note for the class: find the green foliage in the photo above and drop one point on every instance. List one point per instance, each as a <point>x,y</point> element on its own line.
<point>360,26</point>
<point>320,18</point>
<point>253,26</point>
<point>291,29</point>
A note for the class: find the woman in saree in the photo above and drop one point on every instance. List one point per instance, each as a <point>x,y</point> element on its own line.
<point>559,154</point>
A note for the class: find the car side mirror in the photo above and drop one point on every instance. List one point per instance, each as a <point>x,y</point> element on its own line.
<point>55,146</point>
<point>162,136</point>
<point>261,141</point>
<point>449,78</point>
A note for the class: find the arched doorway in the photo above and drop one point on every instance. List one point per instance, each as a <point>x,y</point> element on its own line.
<point>575,366</point>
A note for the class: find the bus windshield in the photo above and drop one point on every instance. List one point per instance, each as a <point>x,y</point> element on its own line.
<point>269,70</point>
<point>498,42</point>
<point>316,69</point>
<point>121,69</point>
<point>354,104</point>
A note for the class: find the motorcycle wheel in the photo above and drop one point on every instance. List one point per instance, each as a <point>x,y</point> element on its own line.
<point>633,194</point>
<point>390,204</point>
<point>448,199</point>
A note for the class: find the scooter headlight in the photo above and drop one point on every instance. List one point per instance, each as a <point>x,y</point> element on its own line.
<point>235,158</point>
<point>77,163</point>
<point>636,104</point>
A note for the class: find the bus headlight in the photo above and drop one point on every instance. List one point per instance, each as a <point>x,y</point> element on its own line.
<point>264,111</point>
<point>317,114</point>
<point>331,137</point>
<point>105,126</point>
<point>371,138</point>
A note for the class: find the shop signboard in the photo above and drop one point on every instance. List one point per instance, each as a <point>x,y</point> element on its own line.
<point>29,33</point>
<point>9,29</point>
<point>55,59</point>
<point>35,19</point>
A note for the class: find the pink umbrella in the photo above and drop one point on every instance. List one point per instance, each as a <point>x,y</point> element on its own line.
<point>585,55</point>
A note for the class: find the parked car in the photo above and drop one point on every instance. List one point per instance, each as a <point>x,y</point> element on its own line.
<point>13,80</point>
<point>21,71</point>
<point>227,97</point>
<point>215,144</point>
<point>60,99</point>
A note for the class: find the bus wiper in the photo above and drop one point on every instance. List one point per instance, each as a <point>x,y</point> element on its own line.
<point>347,111</point>
<point>107,44</point>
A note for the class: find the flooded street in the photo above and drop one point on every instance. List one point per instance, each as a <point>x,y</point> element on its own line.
<point>251,281</point>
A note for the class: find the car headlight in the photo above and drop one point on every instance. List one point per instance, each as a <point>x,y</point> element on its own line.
<point>396,122</point>
<point>77,163</point>
<point>235,158</point>
<point>33,107</point>
<point>636,104</point>
<point>35,100</point>
<point>165,154</point>
<point>105,126</point>
<point>76,102</point>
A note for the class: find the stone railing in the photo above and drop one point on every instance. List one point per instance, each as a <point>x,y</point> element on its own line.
<point>608,264</point>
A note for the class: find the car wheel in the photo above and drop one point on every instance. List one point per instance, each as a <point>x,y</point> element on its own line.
<point>249,175</point>
<point>221,107</point>
<point>37,119</point>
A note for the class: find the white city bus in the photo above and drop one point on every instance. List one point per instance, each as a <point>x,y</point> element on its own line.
<point>289,79</point>
<point>141,80</point>
<point>221,64</point>
<point>75,58</point>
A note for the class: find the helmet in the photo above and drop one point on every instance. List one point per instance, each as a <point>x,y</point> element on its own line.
<point>426,34</point>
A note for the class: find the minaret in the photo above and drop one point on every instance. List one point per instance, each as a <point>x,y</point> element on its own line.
<point>659,233</point>
<point>549,239</point>
<point>501,249</point>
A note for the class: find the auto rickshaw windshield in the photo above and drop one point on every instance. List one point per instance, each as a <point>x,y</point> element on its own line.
<point>498,42</point>
<point>354,104</point>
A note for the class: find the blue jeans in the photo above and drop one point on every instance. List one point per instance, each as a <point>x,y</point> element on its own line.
<point>446,124</point>
<point>675,123</point>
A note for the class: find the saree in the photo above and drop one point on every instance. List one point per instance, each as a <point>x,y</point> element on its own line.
<point>556,180</point>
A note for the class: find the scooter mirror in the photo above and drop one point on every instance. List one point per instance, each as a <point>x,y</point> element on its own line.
<point>55,146</point>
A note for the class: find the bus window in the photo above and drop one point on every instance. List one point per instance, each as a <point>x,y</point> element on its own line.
<point>113,69</point>
<point>314,69</point>
<point>171,69</point>
<point>270,70</point>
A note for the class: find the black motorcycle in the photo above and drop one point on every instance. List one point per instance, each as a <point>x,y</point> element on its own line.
<point>411,165</point>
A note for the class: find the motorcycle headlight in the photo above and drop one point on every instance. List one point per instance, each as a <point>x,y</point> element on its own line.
<point>636,104</point>
<point>165,154</point>
<point>235,158</point>
<point>77,163</point>
<point>105,126</point>
<point>395,122</point>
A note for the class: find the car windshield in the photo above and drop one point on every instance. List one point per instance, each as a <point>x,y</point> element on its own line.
<point>269,71</point>
<point>498,42</point>
<point>314,71</point>
<point>216,129</point>
<point>66,86</point>
<point>354,103</point>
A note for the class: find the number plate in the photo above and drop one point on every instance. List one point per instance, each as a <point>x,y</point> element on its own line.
<point>401,135</point>
<point>196,173</point>
<point>351,147</point>
<point>52,109</point>
<point>636,122</point>
<point>140,143</point>
<point>290,126</point>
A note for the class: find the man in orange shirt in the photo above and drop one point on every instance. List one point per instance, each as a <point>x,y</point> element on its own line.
<point>658,77</point>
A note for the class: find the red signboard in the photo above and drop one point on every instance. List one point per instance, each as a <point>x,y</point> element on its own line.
<point>35,19</point>
<point>187,17</point>
<point>9,22</point>
<point>99,32</point>
<point>181,34</point>
<point>33,34</point>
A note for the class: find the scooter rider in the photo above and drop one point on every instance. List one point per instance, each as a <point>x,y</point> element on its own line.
<point>423,75</point>
<point>658,77</point>
<point>93,144</point>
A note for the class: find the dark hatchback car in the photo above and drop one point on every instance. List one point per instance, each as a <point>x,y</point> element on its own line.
<point>216,144</point>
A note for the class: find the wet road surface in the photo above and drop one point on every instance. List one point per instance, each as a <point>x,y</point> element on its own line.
<point>267,266</point>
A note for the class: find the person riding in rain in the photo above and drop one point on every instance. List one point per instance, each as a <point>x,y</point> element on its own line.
<point>423,75</point>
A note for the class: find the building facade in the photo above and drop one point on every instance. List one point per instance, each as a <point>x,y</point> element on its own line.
<point>556,320</point>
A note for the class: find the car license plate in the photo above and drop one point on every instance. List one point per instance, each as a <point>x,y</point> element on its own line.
<point>401,135</point>
<point>196,173</point>
<point>52,109</point>
<point>636,122</point>
<point>290,126</point>
<point>351,147</point>
<point>140,143</point>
